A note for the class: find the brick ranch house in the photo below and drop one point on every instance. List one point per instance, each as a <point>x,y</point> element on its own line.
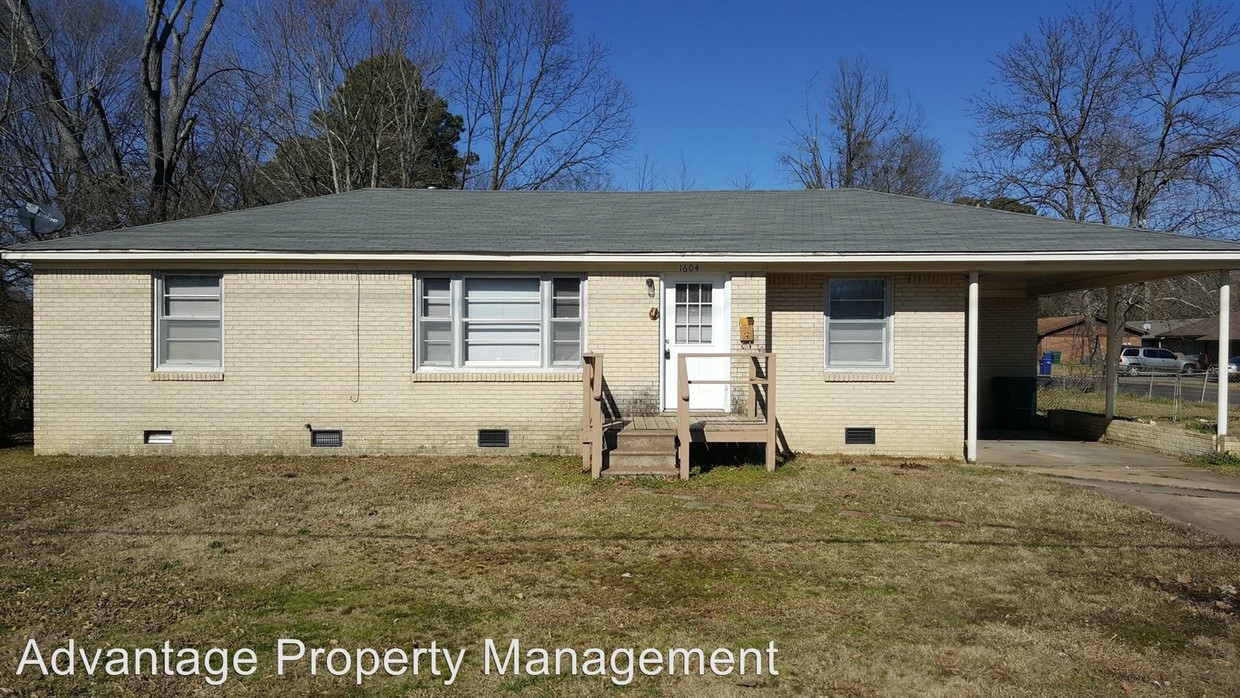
<point>1078,341</point>
<point>433,321</point>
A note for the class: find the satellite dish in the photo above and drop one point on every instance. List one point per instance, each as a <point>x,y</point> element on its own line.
<point>41,219</point>
<point>1147,327</point>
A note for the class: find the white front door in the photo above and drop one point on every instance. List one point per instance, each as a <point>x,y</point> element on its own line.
<point>695,312</point>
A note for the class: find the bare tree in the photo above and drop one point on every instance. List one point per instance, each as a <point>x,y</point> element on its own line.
<point>1049,131</point>
<point>305,48</point>
<point>859,132</point>
<point>1182,163</point>
<point>1092,120</point>
<point>645,174</point>
<point>110,103</point>
<point>71,129</point>
<point>171,58</point>
<point>682,179</point>
<point>541,107</point>
<point>745,180</point>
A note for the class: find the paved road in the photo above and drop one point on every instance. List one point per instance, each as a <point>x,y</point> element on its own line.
<point>1190,388</point>
<point>1196,496</point>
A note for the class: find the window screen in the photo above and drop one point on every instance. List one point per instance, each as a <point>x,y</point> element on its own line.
<point>858,324</point>
<point>493,321</point>
<point>188,322</point>
<point>502,322</point>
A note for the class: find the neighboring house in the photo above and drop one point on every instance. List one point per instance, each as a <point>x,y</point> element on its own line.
<point>1078,341</point>
<point>1153,334</point>
<point>1202,335</point>
<point>396,321</point>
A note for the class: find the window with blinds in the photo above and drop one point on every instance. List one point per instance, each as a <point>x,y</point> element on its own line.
<point>858,324</point>
<point>188,314</point>
<point>499,321</point>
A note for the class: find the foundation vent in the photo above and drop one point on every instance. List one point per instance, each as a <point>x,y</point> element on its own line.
<point>493,438</point>
<point>157,437</point>
<point>326,438</point>
<point>859,435</point>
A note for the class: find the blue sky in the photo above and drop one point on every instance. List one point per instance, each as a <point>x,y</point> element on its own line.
<point>718,80</point>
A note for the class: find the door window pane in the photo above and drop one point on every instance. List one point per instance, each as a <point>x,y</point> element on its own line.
<point>694,313</point>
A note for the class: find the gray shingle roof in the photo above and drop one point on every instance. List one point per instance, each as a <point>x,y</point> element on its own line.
<point>731,222</point>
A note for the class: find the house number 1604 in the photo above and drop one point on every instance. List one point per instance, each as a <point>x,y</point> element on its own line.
<point>690,267</point>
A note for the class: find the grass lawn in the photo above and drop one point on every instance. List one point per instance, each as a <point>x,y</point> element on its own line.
<point>978,582</point>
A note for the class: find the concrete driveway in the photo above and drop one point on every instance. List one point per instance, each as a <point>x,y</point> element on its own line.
<point>1161,484</point>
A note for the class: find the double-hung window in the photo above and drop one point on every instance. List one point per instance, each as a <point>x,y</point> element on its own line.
<point>499,321</point>
<point>187,322</point>
<point>858,320</point>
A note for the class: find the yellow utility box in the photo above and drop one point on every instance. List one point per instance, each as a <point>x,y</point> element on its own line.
<point>747,329</point>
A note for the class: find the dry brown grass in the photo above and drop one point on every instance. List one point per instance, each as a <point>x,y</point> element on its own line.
<point>998,585</point>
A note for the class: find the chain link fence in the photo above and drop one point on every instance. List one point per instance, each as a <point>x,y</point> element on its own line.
<point>1189,398</point>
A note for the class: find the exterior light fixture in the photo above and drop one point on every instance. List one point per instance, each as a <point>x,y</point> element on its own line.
<point>650,287</point>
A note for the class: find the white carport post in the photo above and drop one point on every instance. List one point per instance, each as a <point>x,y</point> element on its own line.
<point>1224,355</point>
<point>1115,335</point>
<point>970,439</point>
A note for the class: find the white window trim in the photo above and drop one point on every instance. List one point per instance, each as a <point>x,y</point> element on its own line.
<point>457,303</point>
<point>157,288</point>
<point>888,331</point>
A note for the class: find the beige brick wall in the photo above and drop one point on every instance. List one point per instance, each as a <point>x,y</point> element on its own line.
<point>621,329</point>
<point>748,300</point>
<point>916,409</point>
<point>290,358</point>
<point>1007,346</point>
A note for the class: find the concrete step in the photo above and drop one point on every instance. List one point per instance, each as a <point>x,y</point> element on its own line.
<point>620,471</point>
<point>643,459</point>
<point>640,462</point>
<point>641,440</point>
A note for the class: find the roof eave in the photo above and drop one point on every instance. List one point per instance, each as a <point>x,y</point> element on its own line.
<point>1212,258</point>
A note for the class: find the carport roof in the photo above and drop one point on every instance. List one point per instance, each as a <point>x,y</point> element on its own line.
<point>827,222</point>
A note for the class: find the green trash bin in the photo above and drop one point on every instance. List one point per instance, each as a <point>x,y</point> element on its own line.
<point>1015,401</point>
<point>1056,356</point>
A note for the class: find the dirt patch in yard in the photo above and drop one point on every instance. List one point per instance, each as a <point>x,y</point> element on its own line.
<point>1033,588</point>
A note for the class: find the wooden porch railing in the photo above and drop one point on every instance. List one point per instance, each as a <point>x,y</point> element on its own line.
<point>759,432</point>
<point>592,413</point>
